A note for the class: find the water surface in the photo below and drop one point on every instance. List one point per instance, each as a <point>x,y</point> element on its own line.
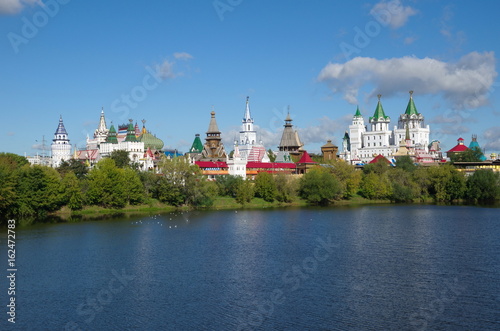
<point>392,267</point>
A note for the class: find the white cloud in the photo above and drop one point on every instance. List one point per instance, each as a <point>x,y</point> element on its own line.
<point>183,56</point>
<point>392,13</point>
<point>326,129</point>
<point>409,40</point>
<point>11,7</point>
<point>464,84</point>
<point>492,140</point>
<point>457,38</point>
<point>40,147</point>
<point>165,70</point>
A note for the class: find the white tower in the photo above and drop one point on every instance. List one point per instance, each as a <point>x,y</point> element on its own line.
<point>61,148</point>
<point>418,131</point>
<point>101,133</point>
<point>237,166</point>
<point>248,136</point>
<point>378,139</point>
<point>355,137</point>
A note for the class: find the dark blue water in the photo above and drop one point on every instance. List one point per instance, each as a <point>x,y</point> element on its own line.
<point>366,268</point>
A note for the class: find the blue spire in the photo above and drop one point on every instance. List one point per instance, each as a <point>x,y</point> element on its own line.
<point>60,127</point>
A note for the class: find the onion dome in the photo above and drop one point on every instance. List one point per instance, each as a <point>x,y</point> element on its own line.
<point>151,141</point>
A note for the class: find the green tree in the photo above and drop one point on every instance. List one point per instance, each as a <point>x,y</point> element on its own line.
<point>184,183</point>
<point>483,185</point>
<point>421,179</point>
<point>150,182</point>
<point>375,186</point>
<point>244,192</point>
<point>286,187</point>
<point>73,196</point>
<point>379,167</point>
<point>76,166</point>
<point>106,185</point>
<point>265,186</point>
<point>203,194</point>
<point>13,161</point>
<point>446,183</point>
<point>271,155</point>
<point>403,188</point>
<point>134,190</point>
<point>39,190</point>
<point>319,187</point>
<point>348,176</point>
<point>228,184</point>
<point>9,164</point>
<point>170,193</point>
<point>469,155</point>
<point>121,158</point>
<point>406,163</point>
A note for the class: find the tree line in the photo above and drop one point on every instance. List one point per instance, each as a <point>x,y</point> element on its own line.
<point>34,190</point>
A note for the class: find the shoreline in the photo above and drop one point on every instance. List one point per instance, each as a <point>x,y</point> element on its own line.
<point>95,213</point>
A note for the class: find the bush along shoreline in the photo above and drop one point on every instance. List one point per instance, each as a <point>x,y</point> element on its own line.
<point>113,186</point>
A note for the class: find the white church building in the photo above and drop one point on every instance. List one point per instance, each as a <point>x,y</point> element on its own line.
<point>362,142</point>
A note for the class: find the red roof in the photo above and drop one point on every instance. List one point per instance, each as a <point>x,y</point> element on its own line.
<point>88,154</point>
<point>379,157</point>
<point>270,165</point>
<point>460,139</point>
<point>211,164</point>
<point>306,158</point>
<point>459,148</point>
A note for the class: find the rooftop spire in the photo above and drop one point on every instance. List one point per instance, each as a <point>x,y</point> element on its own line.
<point>358,113</point>
<point>131,132</point>
<point>212,127</point>
<point>288,119</point>
<point>60,127</point>
<point>248,117</point>
<point>379,111</point>
<point>411,109</point>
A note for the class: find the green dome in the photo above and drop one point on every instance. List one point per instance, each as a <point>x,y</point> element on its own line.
<point>151,141</point>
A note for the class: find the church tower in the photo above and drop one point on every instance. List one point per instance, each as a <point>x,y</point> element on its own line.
<point>290,141</point>
<point>213,148</point>
<point>61,148</point>
<point>414,122</point>
<point>248,136</point>
<point>237,166</point>
<point>379,135</point>
<point>101,133</point>
<point>354,139</point>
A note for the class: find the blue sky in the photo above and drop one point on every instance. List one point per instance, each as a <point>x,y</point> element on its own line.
<point>169,62</point>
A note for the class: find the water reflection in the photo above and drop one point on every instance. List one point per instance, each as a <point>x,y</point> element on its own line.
<point>389,268</point>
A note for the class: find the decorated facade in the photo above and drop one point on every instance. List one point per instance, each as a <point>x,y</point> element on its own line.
<point>361,143</point>
<point>61,148</point>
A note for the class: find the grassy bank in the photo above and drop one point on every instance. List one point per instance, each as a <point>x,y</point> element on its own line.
<point>220,203</point>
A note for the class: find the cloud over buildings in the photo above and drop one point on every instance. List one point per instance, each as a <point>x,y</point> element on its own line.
<point>466,83</point>
<point>492,139</point>
<point>165,70</point>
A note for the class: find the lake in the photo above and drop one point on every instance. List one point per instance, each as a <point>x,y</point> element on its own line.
<point>385,267</point>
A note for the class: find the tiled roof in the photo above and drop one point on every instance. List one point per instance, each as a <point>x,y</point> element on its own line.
<point>270,165</point>
<point>211,164</point>
<point>306,158</point>
<point>411,109</point>
<point>378,157</point>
